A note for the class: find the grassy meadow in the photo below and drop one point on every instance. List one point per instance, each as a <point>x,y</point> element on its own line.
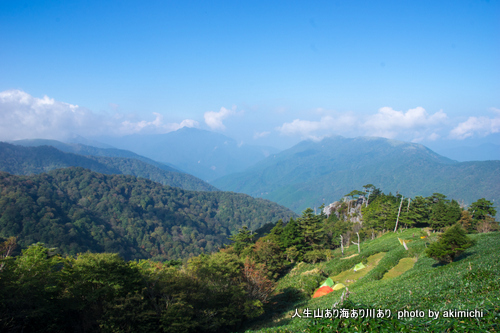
<point>394,279</point>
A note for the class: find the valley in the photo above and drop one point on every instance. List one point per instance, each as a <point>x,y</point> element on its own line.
<point>73,212</point>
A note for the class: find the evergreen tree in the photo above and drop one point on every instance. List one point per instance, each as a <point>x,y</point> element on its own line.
<point>241,240</point>
<point>481,209</point>
<point>311,228</point>
<point>450,245</point>
<point>292,236</point>
<point>438,215</point>
<point>453,212</point>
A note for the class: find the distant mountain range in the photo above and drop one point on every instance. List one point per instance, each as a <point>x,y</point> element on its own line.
<point>42,156</point>
<point>204,154</point>
<point>93,148</point>
<point>312,173</point>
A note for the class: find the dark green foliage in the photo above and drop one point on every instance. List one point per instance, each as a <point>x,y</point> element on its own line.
<point>381,213</point>
<point>438,218</point>
<point>20,160</point>
<point>103,293</point>
<point>241,240</point>
<point>267,251</point>
<point>226,302</point>
<point>443,212</point>
<point>310,226</point>
<point>292,236</point>
<point>77,210</point>
<point>481,209</point>
<point>450,245</point>
<point>418,211</point>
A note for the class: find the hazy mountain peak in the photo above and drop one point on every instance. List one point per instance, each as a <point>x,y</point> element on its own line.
<point>312,172</point>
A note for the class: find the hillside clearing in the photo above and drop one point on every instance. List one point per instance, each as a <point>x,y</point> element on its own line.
<point>471,283</point>
<point>350,276</point>
<point>403,265</point>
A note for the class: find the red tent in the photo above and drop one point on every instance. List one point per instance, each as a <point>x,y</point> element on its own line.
<point>322,291</point>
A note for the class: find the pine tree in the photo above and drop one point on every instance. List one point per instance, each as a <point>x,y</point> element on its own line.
<point>481,209</point>
<point>291,236</point>
<point>311,228</point>
<point>450,245</point>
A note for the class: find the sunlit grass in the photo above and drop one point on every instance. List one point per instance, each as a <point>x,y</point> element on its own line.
<point>403,265</point>
<point>471,282</point>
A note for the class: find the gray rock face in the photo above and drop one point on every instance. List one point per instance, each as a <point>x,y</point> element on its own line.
<point>348,210</point>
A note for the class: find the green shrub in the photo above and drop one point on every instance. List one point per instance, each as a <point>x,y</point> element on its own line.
<point>314,256</point>
<point>449,245</point>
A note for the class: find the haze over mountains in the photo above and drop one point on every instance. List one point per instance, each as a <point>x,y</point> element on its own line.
<point>482,152</point>
<point>306,175</point>
<point>312,173</point>
<point>206,155</point>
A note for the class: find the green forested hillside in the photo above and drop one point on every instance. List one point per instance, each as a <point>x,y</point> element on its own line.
<point>77,210</point>
<point>21,160</point>
<point>265,283</point>
<point>88,150</point>
<point>312,173</point>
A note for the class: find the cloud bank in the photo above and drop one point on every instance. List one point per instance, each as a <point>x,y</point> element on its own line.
<point>316,130</point>
<point>23,116</point>
<point>481,126</point>
<point>414,124</point>
<point>389,123</point>
<point>214,119</point>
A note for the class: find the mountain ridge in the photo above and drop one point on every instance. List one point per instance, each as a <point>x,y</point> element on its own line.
<point>204,154</point>
<point>21,160</point>
<point>312,173</point>
<point>77,210</point>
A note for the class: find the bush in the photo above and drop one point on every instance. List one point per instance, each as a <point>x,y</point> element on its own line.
<point>449,245</point>
<point>314,256</point>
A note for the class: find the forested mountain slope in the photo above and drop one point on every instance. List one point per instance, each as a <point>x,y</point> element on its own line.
<point>78,210</point>
<point>88,150</point>
<point>21,160</point>
<point>312,173</point>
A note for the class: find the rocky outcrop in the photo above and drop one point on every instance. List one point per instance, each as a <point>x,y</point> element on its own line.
<point>347,209</point>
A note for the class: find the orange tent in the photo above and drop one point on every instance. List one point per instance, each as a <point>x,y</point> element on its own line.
<point>322,291</point>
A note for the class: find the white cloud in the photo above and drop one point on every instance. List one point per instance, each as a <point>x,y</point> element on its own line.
<point>259,135</point>
<point>495,110</point>
<point>214,119</point>
<point>316,130</point>
<point>306,128</point>
<point>155,126</point>
<point>389,123</point>
<point>23,116</point>
<point>415,124</point>
<point>476,125</point>
<point>433,137</point>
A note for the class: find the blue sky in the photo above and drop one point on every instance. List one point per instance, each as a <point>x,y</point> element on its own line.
<point>262,72</point>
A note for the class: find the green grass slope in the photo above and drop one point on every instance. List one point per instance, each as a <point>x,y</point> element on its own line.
<point>472,282</point>
<point>312,173</point>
